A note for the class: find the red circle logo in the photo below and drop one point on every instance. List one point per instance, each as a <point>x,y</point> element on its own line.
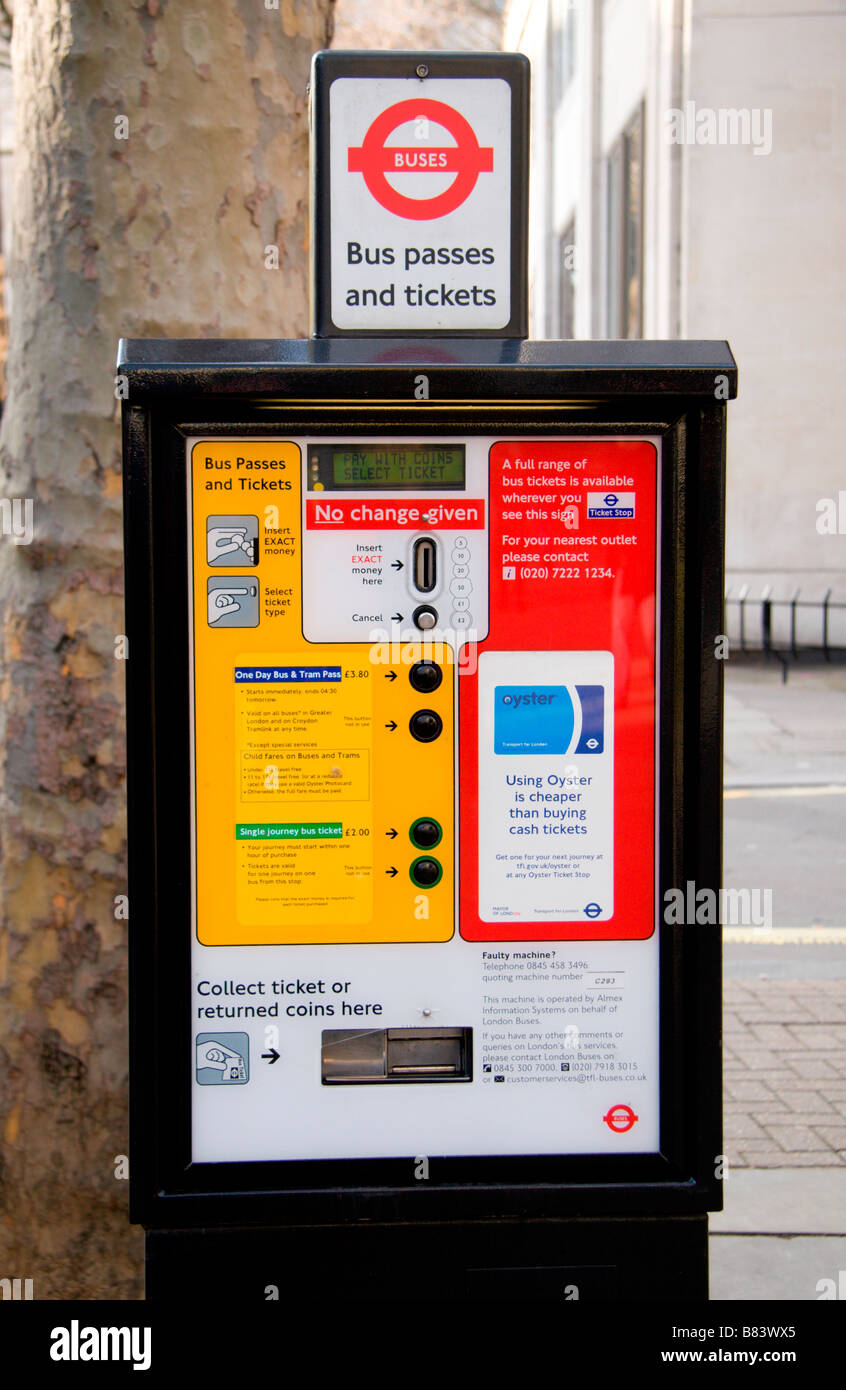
<point>620,1118</point>
<point>467,159</point>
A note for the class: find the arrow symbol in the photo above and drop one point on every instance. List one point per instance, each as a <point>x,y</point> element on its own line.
<point>392,833</point>
<point>397,565</point>
<point>391,676</point>
<point>272,1054</point>
<point>392,872</point>
<point>392,725</point>
<point>396,617</point>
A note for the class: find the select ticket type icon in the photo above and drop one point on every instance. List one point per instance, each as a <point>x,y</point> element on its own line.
<point>232,541</point>
<point>233,601</point>
<point>222,1059</point>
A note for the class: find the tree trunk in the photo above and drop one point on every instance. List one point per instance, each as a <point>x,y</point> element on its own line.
<point>159,155</point>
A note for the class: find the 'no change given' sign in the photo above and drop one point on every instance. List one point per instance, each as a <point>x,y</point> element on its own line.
<point>419,180</point>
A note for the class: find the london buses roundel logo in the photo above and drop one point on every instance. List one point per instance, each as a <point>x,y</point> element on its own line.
<point>375,159</point>
<point>620,1118</point>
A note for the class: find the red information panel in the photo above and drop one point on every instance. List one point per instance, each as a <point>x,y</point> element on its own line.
<point>557,720</point>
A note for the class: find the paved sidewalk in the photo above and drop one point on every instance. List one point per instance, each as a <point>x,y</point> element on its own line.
<point>782,1234</point>
<point>785,735</point>
<point>785,1039</point>
<point>785,1073</point>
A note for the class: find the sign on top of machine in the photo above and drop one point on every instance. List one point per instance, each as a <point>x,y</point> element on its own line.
<point>419,194</point>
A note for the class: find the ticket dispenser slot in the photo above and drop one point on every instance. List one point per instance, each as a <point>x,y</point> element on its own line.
<point>362,1056</point>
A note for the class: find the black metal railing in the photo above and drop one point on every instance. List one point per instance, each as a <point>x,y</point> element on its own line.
<point>793,648</point>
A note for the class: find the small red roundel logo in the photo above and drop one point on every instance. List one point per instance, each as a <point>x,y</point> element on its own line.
<point>620,1118</point>
<point>467,159</point>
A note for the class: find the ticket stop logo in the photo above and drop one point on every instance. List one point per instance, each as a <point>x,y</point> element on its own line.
<point>375,159</point>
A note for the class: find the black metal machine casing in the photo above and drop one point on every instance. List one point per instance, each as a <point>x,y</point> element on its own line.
<point>532,1224</point>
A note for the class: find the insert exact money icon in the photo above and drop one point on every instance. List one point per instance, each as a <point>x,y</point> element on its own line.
<point>232,540</point>
<point>233,601</point>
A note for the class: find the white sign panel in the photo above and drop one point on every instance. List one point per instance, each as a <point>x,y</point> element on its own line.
<point>420,204</point>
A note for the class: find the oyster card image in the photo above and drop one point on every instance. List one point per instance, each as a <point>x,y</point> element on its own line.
<point>546,794</point>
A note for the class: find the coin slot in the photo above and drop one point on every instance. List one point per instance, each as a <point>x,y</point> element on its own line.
<point>425,565</point>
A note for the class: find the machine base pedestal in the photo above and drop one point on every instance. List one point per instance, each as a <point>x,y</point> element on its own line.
<point>589,1260</point>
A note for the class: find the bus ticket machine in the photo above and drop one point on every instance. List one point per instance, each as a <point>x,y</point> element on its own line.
<point>424,728</point>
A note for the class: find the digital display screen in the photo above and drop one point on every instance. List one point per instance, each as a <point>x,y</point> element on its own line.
<point>389,465</point>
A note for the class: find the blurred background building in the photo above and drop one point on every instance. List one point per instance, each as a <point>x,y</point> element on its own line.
<point>641,227</point>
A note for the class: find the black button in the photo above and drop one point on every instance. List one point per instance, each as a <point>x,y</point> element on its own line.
<point>425,676</point>
<point>426,834</point>
<point>425,725</point>
<point>426,872</point>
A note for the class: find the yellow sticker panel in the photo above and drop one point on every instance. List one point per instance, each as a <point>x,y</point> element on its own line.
<point>308,779</point>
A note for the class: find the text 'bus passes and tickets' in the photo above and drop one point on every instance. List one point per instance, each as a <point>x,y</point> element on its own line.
<point>420,166</point>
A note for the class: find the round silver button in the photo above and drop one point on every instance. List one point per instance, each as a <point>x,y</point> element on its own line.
<point>425,621</point>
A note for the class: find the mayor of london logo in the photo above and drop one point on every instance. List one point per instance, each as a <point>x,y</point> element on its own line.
<point>375,159</point>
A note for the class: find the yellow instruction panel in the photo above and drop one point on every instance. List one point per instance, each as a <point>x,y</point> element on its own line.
<point>307,778</point>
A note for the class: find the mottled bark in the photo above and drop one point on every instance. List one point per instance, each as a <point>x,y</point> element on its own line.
<point>161,233</point>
